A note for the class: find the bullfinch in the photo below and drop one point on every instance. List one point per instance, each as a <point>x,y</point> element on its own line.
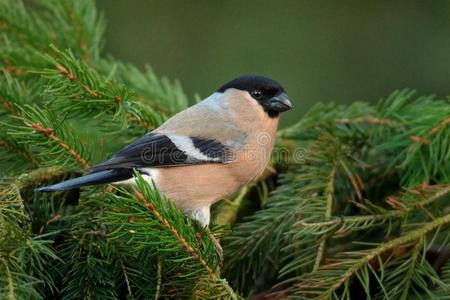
<point>204,153</point>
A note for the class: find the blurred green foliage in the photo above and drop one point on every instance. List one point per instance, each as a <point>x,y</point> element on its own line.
<point>323,50</point>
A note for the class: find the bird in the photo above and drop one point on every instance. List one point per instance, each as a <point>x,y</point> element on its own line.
<point>202,154</point>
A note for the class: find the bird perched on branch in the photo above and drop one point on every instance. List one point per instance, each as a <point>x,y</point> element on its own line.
<point>204,153</point>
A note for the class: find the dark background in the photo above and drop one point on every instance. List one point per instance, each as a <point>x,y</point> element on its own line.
<point>340,51</point>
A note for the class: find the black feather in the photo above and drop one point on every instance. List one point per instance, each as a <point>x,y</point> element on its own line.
<point>151,150</point>
<point>213,149</point>
<point>156,150</point>
<point>253,82</point>
<point>101,177</point>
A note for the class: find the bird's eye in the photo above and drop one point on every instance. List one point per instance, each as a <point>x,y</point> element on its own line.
<point>256,94</point>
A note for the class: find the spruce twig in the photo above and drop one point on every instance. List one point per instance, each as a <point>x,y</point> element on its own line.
<point>327,215</point>
<point>48,132</point>
<point>174,231</point>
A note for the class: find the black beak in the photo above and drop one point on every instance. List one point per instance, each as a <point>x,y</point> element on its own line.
<point>280,103</point>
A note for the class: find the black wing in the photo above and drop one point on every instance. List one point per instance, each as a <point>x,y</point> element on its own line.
<point>157,150</point>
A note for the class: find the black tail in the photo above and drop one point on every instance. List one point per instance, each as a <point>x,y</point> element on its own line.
<point>101,177</point>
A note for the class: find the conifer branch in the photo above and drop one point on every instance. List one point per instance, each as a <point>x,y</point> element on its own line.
<point>48,137</point>
<point>327,215</point>
<point>369,121</point>
<point>174,231</point>
<point>77,26</point>
<point>158,279</point>
<point>12,147</point>
<point>72,77</point>
<point>20,30</point>
<point>11,294</point>
<point>48,132</point>
<point>13,70</point>
<point>146,222</point>
<point>140,122</point>
<point>84,82</point>
<point>159,93</point>
<point>96,94</point>
<point>406,207</point>
<point>9,106</point>
<point>425,140</point>
<point>441,125</point>
<point>125,275</point>
<point>346,267</point>
<point>412,267</point>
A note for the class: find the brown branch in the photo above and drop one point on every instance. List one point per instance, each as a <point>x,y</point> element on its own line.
<point>368,120</point>
<point>5,145</point>
<point>26,155</point>
<point>158,280</point>
<point>21,33</point>
<point>355,180</point>
<point>360,120</point>
<point>10,69</point>
<point>382,248</point>
<point>117,99</point>
<point>175,232</point>
<point>328,212</point>
<point>425,140</point>
<point>8,105</point>
<point>401,210</point>
<point>146,101</point>
<point>48,132</point>
<point>9,276</point>
<point>418,139</point>
<point>78,30</point>
<point>125,275</point>
<point>140,122</point>
<point>53,219</point>
<point>72,77</point>
<point>441,125</point>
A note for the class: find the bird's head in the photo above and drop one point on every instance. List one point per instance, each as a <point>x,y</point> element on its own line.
<point>268,93</point>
